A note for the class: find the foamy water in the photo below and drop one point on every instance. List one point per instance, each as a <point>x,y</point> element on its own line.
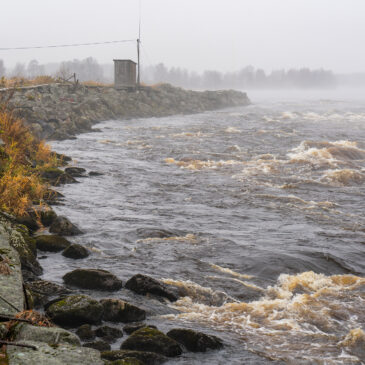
<point>255,215</point>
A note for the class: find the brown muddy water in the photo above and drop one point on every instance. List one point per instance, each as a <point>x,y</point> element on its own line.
<point>257,213</point>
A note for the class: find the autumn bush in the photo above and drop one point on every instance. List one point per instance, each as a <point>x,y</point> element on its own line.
<point>22,159</point>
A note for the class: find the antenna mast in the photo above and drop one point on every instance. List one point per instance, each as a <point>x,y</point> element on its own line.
<point>138,49</point>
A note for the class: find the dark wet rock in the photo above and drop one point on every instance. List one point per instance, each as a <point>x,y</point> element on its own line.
<point>42,290</point>
<point>147,358</point>
<point>98,345</point>
<point>195,341</point>
<point>51,243</point>
<point>75,310</point>
<point>95,173</point>
<point>42,214</point>
<point>75,171</point>
<point>108,334</point>
<point>28,276</point>
<point>30,222</point>
<point>62,157</point>
<point>93,279</point>
<point>155,233</point>
<point>51,173</point>
<point>127,361</point>
<point>152,340</point>
<point>62,226</point>
<point>116,310</point>
<point>85,332</point>
<point>52,197</point>
<point>142,284</point>
<point>57,177</point>
<point>76,251</point>
<point>132,327</point>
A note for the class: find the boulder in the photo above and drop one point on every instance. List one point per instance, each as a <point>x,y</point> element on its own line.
<point>116,310</point>
<point>95,173</point>
<point>108,334</point>
<point>93,279</point>
<point>76,251</point>
<point>127,361</point>
<point>75,171</point>
<point>62,226</point>
<point>85,332</point>
<point>29,221</point>
<point>142,284</point>
<point>147,358</point>
<point>51,243</point>
<point>75,310</point>
<point>195,341</point>
<point>42,214</point>
<point>51,335</point>
<point>98,345</point>
<point>57,177</point>
<point>152,340</point>
<point>42,290</point>
<point>132,327</point>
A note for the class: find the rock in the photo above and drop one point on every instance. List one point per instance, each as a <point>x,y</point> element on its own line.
<point>51,243</point>
<point>76,251</point>
<point>195,341</point>
<point>53,354</point>
<point>142,284</point>
<point>98,345</point>
<point>93,279</point>
<point>127,361</point>
<point>85,332</point>
<point>75,310</point>
<point>132,327</point>
<point>75,171</point>
<point>51,335</point>
<point>3,331</point>
<point>57,177</point>
<point>30,222</point>
<point>52,197</point>
<point>42,290</point>
<point>108,334</point>
<point>62,226</point>
<point>43,214</point>
<point>95,173</point>
<point>152,340</point>
<point>147,358</point>
<point>116,310</point>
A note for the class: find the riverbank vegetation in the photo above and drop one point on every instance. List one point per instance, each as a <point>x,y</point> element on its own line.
<point>22,160</point>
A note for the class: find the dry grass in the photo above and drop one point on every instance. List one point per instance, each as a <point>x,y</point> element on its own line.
<point>96,83</point>
<point>20,182</point>
<point>22,81</point>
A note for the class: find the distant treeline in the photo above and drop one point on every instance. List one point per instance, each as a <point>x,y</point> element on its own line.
<point>247,78</point>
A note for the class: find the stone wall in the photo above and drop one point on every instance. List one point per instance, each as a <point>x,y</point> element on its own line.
<point>58,111</point>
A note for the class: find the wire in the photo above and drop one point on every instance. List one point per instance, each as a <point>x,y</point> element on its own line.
<point>66,45</point>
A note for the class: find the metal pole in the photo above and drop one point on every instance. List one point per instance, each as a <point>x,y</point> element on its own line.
<point>138,66</point>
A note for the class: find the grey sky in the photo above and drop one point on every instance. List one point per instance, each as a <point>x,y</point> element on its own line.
<point>196,34</point>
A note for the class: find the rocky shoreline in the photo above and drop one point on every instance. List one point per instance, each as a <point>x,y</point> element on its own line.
<point>66,306</point>
<point>60,111</point>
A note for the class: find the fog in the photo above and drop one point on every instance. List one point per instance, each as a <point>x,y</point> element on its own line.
<point>222,35</point>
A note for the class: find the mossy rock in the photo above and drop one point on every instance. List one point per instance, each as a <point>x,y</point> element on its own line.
<point>85,332</point>
<point>146,358</point>
<point>62,226</point>
<point>76,251</point>
<point>152,340</point>
<point>195,341</point>
<point>127,361</point>
<point>93,279</point>
<point>75,310</point>
<point>116,310</point>
<point>98,345</point>
<point>51,243</point>
<point>108,334</point>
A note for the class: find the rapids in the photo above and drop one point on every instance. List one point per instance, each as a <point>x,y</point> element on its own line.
<point>255,213</point>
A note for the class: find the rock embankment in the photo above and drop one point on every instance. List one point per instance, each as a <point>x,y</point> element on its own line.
<point>58,111</point>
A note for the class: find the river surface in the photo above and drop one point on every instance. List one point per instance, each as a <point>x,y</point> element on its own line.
<point>256,213</point>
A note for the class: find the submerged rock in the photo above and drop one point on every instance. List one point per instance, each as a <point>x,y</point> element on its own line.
<point>108,334</point>
<point>152,340</point>
<point>62,226</point>
<point>75,171</point>
<point>85,332</point>
<point>98,345</point>
<point>93,279</point>
<point>195,341</point>
<point>76,251</point>
<point>75,310</point>
<point>147,358</point>
<point>116,310</point>
<point>51,243</point>
<point>142,284</point>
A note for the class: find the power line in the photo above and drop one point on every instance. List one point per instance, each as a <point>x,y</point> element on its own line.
<point>67,45</point>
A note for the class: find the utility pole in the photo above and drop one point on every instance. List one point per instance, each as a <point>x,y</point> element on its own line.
<point>138,65</point>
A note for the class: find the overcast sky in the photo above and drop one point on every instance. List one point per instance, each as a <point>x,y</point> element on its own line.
<point>195,34</point>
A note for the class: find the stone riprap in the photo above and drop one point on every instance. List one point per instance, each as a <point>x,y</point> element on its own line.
<point>60,111</point>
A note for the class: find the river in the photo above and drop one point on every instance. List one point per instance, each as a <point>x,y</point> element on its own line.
<point>257,213</point>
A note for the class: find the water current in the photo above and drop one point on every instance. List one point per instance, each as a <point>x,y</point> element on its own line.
<point>255,213</point>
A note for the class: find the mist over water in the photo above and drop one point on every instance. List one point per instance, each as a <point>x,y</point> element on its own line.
<point>254,213</point>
